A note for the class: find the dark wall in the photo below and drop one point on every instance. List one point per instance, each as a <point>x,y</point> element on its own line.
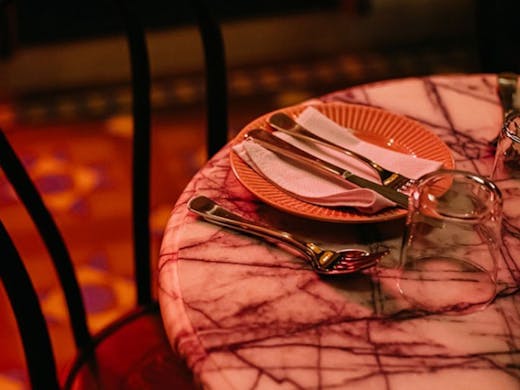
<point>499,35</point>
<point>58,20</point>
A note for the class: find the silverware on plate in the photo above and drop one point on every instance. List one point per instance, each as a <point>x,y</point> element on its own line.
<point>269,141</point>
<point>323,261</point>
<point>284,123</point>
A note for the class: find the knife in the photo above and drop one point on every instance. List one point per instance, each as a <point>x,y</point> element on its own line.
<point>274,144</point>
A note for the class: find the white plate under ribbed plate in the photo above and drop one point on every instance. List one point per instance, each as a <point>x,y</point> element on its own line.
<point>374,125</point>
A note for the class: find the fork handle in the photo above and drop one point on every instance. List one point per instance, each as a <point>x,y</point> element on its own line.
<point>218,215</point>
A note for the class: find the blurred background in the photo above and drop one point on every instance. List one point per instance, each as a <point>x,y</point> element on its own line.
<point>60,45</point>
<point>65,103</point>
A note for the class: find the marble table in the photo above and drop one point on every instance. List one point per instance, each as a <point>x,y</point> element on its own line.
<point>247,315</point>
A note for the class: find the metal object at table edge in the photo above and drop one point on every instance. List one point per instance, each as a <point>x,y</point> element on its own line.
<point>323,261</point>
<point>507,89</point>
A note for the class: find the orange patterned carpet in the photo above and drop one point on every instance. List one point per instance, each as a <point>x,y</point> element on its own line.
<point>83,171</point>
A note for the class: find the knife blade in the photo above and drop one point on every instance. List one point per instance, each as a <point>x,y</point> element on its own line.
<point>271,142</point>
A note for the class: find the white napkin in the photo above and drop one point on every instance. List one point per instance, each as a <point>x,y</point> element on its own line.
<point>318,189</point>
<point>406,164</point>
<point>307,185</point>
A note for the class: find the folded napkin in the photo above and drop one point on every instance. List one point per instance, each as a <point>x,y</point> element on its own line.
<point>406,164</point>
<point>314,188</point>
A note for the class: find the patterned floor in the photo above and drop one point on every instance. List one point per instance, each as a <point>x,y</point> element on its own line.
<point>76,145</point>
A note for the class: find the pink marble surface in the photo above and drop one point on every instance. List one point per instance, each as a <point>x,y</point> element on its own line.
<point>247,315</point>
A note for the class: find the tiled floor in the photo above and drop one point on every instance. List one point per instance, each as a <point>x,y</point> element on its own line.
<point>77,148</point>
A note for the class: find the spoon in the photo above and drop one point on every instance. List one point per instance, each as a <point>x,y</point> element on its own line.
<point>284,123</point>
<point>323,261</point>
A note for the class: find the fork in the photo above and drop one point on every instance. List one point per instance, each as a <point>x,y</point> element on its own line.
<point>323,261</point>
<point>284,123</point>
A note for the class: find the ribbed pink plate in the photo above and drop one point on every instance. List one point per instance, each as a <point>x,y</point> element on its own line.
<point>374,125</point>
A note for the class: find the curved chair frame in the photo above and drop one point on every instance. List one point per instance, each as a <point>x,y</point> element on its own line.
<point>216,77</point>
<point>146,314</point>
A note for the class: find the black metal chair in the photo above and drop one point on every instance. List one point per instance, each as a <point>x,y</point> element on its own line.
<point>122,355</point>
<point>132,352</point>
<point>25,305</point>
<point>216,78</point>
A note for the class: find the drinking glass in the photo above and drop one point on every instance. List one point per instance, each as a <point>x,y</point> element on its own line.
<point>448,261</point>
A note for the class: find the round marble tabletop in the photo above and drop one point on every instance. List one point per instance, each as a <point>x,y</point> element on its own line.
<point>247,315</point>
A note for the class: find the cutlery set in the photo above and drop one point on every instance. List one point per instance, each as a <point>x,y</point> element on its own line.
<point>323,261</point>
<point>394,186</point>
<point>284,123</point>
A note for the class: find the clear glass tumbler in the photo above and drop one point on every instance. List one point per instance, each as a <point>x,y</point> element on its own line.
<point>448,261</point>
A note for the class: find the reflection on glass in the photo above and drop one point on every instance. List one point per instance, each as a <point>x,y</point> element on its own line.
<point>448,259</point>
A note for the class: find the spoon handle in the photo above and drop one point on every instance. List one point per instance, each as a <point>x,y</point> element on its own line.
<point>286,124</point>
<point>218,215</point>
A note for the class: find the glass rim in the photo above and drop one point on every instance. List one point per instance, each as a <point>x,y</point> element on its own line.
<point>505,128</point>
<point>477,178</point>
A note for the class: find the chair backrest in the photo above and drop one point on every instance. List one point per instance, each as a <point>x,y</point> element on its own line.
<point>216,77</point>
<point>47,228</point>
<point>45,224</point>
<point>51,236</point>
<point>141,112</point>
<point>29,317</point>
<point>30,197</point>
